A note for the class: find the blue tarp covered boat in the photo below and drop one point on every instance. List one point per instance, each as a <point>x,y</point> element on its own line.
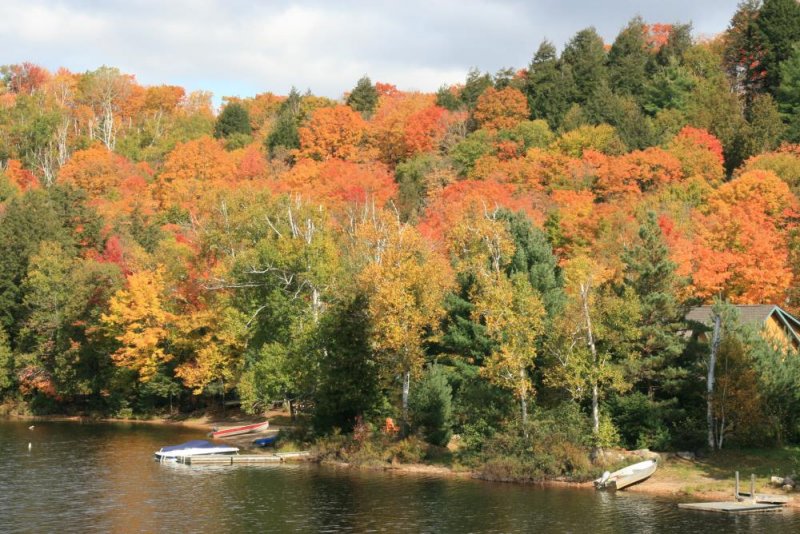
<point>265,442</point>
<point>194,448</point>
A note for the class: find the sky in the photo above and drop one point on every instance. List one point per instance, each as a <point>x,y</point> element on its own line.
<point>241,48</point>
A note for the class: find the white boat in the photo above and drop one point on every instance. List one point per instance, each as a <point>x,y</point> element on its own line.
<point>628,476</point>
<point>193,448</point>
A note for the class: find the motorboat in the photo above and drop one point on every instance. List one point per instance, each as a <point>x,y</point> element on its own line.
<point>193,448</point>
<point>239,430</point>
<point>628,476</point>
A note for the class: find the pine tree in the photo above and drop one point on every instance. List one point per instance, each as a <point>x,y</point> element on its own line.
<point>364,97</point>
<point>285,133</point>
<point>789,95</point>
<point>628,60</point>
<point>547,86</point>
<point>650,272</point>
<point>779,23</point>
<point>585,56</point>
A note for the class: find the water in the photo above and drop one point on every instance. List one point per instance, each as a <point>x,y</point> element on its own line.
<point>102,478</point>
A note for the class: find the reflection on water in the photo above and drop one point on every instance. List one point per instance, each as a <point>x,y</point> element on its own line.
<point>102,478</point>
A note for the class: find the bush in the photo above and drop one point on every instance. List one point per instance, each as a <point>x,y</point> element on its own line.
<point>430,407</point>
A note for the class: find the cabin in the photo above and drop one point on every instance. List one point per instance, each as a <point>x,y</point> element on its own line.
<point>776,324</point>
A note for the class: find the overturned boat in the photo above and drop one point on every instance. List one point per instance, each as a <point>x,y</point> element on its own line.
<point>193,448</point>
<point>239,430</point>
<point>628,476</point>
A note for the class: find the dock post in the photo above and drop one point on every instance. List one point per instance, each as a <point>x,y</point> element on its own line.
<point>736,488</point>
<point>753,487</point>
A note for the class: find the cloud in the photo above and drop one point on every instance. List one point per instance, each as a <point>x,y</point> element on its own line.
<point>243,47</point>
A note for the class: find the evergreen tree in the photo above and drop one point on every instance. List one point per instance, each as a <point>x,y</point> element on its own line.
<point>431,406</point>
<point>628,60</point>
<point>446,98</point>
<point>779,23</point>
<point>347,384</point>
<point>585,56</point>
<point>650,273</point>
<point>364,97</point>
<point>533,256</point>
<point>789,95</point>
<point>547,86</point>
<point>285,133</point>
<point>678,43</point>
<point>234,119</point>
<point>474,87</point>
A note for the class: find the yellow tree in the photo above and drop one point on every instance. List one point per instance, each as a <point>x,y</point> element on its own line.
<point>139,322</point>
<point>513,313</point>
<point>216,339</point>
<point>509,308</point>
<point>405,283</point>
<point>592,339</point>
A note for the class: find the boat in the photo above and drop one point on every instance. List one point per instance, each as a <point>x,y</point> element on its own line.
<point>239,430</point>
<point>628,476</point>
<point>195,447</point>
<point>265,442</point>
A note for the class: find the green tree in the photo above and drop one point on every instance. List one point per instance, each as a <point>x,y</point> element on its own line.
<point>58,214</point>
<point>548,86</point>
<point>764,126</point>
<point>364,97</point>
<point>533,257</point>
<point>779,23</point>
<point>285,132</point>
<point>650,274</point>
<point>585,57</point>
<point>628,60</point>
<point>788,95</point>
<point>234,119</point>
<point>348,383</point>
<point>448,98</point>
<point>474,87</point>
<point>7,379</point>
<point>431,407</point>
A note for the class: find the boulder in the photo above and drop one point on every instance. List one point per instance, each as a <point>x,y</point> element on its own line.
<point>686,455</point>
<point>776,481</point>
<point>787,487</point>
<point>647,454</point>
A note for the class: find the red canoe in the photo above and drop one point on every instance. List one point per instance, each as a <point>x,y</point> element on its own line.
<point>238,430</point>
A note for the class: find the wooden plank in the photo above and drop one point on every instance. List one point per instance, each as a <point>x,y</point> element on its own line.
<point>766,498</point>
<point>731,507</point>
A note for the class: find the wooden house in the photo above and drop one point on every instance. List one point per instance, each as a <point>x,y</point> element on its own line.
<point>776,324</point>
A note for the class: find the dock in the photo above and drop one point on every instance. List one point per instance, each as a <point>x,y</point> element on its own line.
<point>747,503</point>
<point>235,459</point>
<point>731,507</point>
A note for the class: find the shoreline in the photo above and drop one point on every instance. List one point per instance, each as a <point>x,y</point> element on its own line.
<point>675,478</point>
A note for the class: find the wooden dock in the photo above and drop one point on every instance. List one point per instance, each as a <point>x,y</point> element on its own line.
<point>731,507</point>
<point>234,459</point>
<point>746,503</point>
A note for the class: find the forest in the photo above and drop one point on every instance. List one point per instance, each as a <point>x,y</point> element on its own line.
<point>509,260</point>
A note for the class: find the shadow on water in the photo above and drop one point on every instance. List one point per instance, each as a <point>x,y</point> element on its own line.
<point>102,477</point>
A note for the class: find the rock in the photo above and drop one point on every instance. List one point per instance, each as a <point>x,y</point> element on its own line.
<point>787,487</point>
<point>776,481</point>
<point>789,481</point>
<point>686,455</point>
<point>647,454</point>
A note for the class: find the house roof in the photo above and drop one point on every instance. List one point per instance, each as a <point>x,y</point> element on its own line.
<point>748,314</point>
<point>751,314</point>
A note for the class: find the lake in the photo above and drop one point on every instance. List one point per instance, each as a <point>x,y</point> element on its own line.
<point>101,477</point>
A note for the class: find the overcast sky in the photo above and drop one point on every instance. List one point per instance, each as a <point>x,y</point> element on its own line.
<point>240,47</point>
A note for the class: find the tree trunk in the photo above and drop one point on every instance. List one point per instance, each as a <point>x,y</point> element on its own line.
<point>406,389</point>
<point>712,362</point>
<point>523,401</point>
<point>593,349</point>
